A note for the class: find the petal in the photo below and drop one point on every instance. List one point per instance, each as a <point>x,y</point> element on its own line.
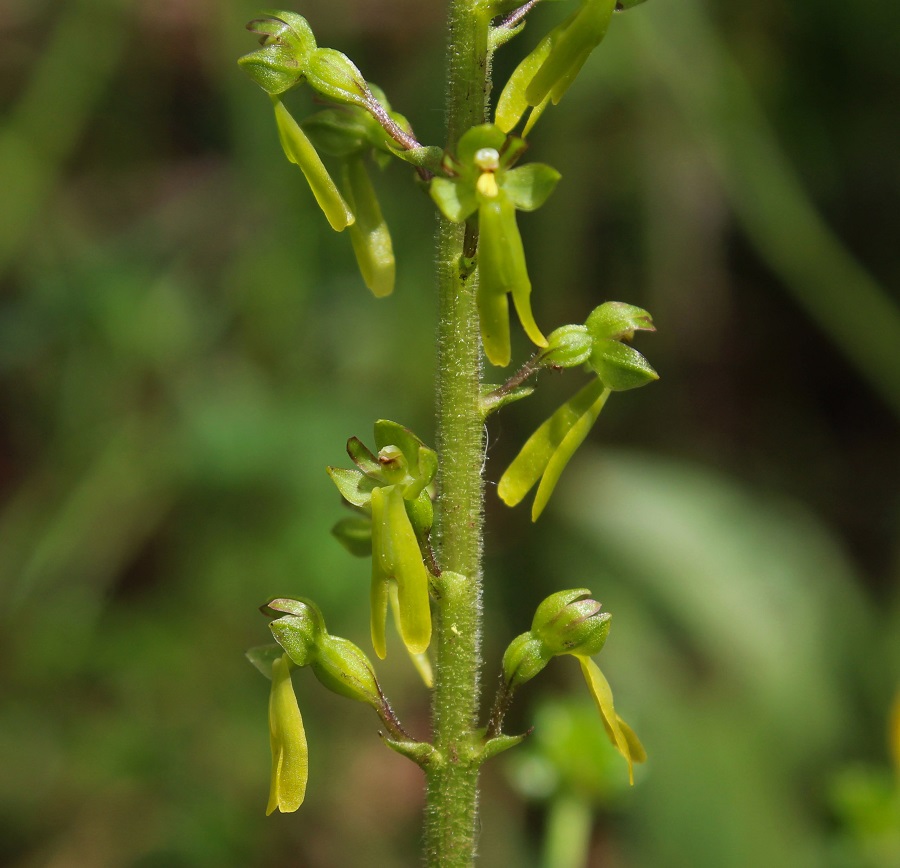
<point>421,662</point>
<point>378,594</point>
<point>573,41</point>
<point>410,574</point>
<point>369,233</point>
<point>298,149</point>
<point>534,457</point>
<point>512,103</point>
<point>602,693</point>
<point>493,317</point>
<point>290,755</point>
<point>501,261</point>
<point>573,439</point>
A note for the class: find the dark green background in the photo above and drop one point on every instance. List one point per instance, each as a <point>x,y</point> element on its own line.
<point>184,346</point>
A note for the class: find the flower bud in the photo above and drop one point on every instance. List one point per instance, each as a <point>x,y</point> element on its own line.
<point>290,755</point>
<point>618,365</point>
<point>567,347</point>
<point>525,657</point>
<point>299,634</point>
<point>339,664</point>
<point>569,625</point>
<point>287,43</point>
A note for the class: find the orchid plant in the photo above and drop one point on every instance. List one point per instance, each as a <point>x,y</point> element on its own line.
<point>417,512</point>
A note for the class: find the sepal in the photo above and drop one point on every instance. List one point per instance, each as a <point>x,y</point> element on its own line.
<point>354,533</point>
<point>567,347</point>
<point>263,657</point>
<point>620,367</point>
<point>355,487</point>
<point>287,42</point>
<point>455,201</point>
<point>618,321</point>
<point>567,623</point>
<point>300,635</point>
<point>525,657</point>
<point>363,458</point>
<point>336,77</point>
<point>491,402</point>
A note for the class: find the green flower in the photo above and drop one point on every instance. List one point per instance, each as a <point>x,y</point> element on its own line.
<point>482,178</point>
<point>392,485</point>
<point>601,344</point>
<point>290,756</point>
<point>546,74</point>
<point>568,624</point>
<point>336,662</point>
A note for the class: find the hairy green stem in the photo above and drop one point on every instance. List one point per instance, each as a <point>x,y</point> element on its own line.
<point>452,780</point>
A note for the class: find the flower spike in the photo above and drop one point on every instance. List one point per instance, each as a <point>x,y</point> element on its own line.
<point>571,623</point>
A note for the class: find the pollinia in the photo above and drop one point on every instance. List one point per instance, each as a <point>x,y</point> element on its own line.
<point>417,512</point>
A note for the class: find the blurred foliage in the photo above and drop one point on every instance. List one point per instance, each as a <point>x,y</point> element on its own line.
<point>172,326</point>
